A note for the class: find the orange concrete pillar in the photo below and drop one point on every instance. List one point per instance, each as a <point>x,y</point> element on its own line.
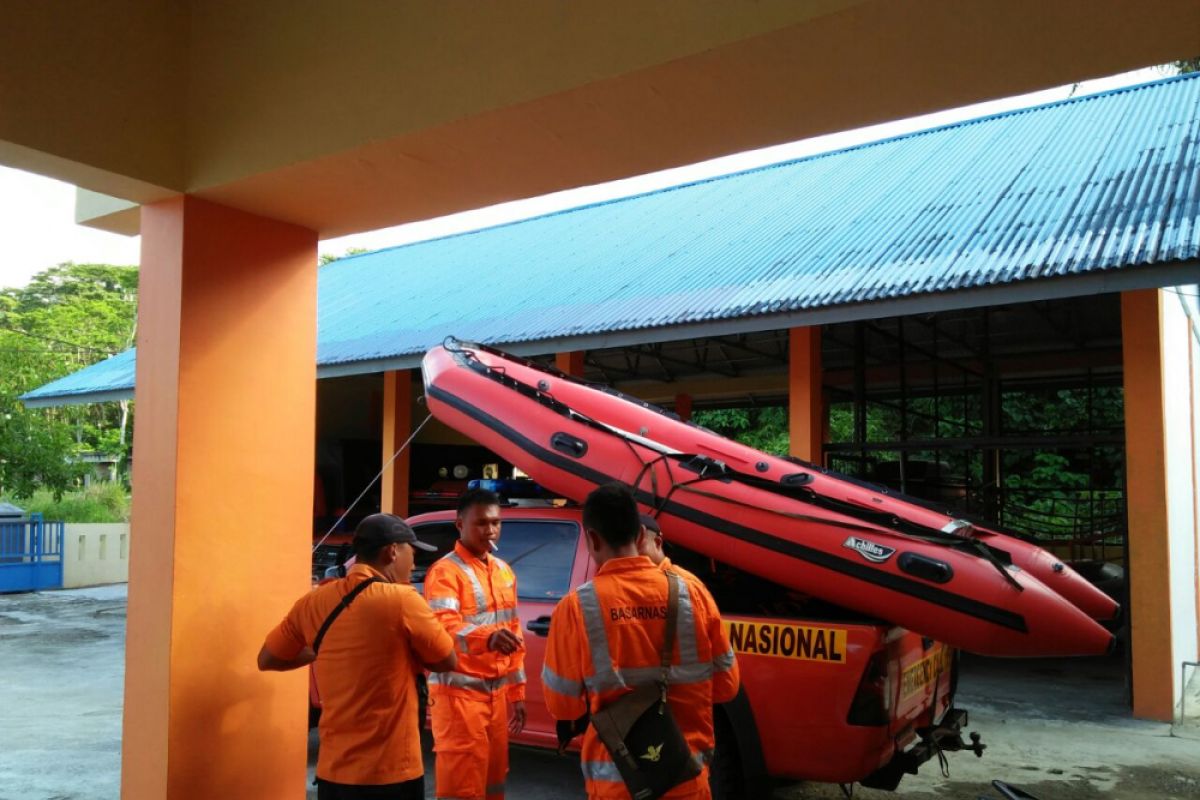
<point>806,404</point>
<point>683,406</point>
<point>1146,471</point>
<point>570,363</point>
<point>397,427</point>
<point>222,502</point>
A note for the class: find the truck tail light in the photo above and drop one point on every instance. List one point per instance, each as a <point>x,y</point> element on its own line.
<point>872,702</point>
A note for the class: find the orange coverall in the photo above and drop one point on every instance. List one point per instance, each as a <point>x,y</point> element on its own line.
<point>606,637</point>
<point>472,598</point>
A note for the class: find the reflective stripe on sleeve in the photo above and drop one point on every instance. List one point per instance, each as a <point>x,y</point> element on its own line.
<point>493,617</point>
<point>461,636</point>
<point>476,586</point>
<point>450,603</point>
<point>724,662</point>
<point>557,683</point>
<point>600,771</point>
<point>457,680</point>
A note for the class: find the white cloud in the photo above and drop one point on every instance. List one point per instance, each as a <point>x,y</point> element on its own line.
<point>38,230</point>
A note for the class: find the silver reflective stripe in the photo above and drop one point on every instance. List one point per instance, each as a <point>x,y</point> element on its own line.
<point>643,676</point>
<point>604,677</point>
<point>461,635</point>
<point>495,788</point>
<point>724,662</point>
<point>476,586</point>
<point>444,602</point>
<point>708,755</point>
<point>686,626</point>
<point>556,682</point>
<point>600,771</point>
<point>493,617</point>
<point>458,680</point>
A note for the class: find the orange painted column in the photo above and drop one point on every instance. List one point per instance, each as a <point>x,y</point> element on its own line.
<point>222,502</point>
<point>570,363</point>
<point>1147,503</point>
<point>683,406</point>
<point>397,427</point>
<point>806,403</point>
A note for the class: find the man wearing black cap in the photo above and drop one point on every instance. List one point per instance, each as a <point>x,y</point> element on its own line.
<point>368,636</point>
<point>650,544</point>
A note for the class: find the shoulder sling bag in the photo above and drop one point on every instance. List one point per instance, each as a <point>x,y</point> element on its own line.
<point>640,732</point>
<point>341,606</point>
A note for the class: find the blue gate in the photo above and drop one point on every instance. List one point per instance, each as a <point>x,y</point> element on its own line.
<point>31,555</point>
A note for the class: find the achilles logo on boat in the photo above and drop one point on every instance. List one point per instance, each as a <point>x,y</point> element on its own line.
<point>869,550</point>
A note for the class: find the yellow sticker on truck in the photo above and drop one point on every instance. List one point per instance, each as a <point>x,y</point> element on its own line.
<point>787,641</point>
<point>916,677</point>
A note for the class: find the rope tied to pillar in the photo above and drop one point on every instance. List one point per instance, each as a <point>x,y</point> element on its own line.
<point>374,480</point>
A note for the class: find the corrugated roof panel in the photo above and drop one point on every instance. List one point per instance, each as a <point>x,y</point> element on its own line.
<point>1096,183</point>
<point>100,381</point>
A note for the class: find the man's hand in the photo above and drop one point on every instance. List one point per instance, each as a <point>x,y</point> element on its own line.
<point>516,723</point>
<point>504,641</point>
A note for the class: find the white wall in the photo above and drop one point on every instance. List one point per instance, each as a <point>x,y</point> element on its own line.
<point>1181,401</point>
<point>95,553</point>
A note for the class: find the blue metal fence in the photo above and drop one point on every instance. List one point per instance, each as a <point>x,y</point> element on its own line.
<point>31,555</point>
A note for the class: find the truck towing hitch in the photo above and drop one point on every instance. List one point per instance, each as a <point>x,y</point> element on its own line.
<point>935,740</point>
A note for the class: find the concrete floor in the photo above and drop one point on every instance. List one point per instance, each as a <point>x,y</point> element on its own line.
<point>1056,728</point>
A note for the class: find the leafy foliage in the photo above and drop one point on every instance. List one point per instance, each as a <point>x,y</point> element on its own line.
<point>100,502</point>
<point>764,429</point>
<point>67,317</point>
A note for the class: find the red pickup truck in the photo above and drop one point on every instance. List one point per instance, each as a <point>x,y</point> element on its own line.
<point>825,696</point>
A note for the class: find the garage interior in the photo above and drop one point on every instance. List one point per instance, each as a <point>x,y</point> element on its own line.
<point>1011,414</point>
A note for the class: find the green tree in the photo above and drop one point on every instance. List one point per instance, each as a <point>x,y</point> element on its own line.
<point>763,429</point>
<point>329,258</point>
<point>67,317</point>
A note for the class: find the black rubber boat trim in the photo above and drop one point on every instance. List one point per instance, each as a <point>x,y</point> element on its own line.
<point>862,572</point>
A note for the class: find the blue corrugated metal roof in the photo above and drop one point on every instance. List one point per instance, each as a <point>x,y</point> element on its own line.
<point>110,379</point>
<point>1083,186</point>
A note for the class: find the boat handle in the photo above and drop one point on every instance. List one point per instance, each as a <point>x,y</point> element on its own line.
<point>539,626</point>
<point>571,445</point>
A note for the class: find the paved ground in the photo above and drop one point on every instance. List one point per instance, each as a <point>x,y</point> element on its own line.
<point>1056,728</point>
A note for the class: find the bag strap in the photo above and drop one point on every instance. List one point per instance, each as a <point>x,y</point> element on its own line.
<point>341,606</point>
<point>672,623</point>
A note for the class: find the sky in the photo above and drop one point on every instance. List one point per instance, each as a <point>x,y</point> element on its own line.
<point>38,213</point>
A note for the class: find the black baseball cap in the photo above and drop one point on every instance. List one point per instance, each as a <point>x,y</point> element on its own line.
<point>650,523</point>
<point>381,529</point>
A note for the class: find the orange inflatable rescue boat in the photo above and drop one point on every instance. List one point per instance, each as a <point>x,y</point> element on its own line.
<point>854,545</point>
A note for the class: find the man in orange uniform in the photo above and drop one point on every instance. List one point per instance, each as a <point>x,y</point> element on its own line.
<point>367,663</point>
<point>606,638</point>
<point>474,596</point>
<point>650,544</point>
